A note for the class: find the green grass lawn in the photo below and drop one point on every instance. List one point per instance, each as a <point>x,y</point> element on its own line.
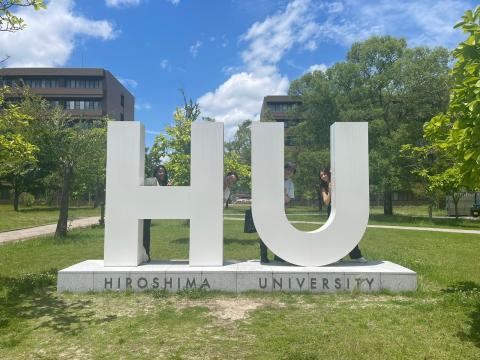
<point>439,321</point>
<point>404,216</point>
<point>38,215</point>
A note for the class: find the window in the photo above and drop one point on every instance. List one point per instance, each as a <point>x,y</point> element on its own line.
<point>280,107</point>
<point>83,83</point>
<point>41,83</point>
<point>122,100</point>
<point>83,104</point>
<point>121,117</point>
<point>55,103</point>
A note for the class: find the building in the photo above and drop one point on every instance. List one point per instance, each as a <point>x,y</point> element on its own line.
<point>86,93</point>
<point>281,108</point>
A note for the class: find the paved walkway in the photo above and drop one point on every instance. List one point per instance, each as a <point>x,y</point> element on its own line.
<point>414,228</point>
<point>23,234</point>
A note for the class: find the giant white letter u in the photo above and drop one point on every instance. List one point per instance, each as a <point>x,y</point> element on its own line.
<point>350,195</point>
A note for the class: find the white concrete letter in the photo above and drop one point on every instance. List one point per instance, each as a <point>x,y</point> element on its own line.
<point>128,202</point>
<point>350,195</point>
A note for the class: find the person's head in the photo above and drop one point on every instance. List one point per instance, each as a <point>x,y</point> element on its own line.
<point>325,177</point>
<point>289,170</point>
<point>160,172</point>
<point>230,179</point>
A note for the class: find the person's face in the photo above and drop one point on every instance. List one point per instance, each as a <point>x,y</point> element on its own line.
<point>230,180</point>
<point>288,173</point>
<point>160,174</point>
<point>324,176</point>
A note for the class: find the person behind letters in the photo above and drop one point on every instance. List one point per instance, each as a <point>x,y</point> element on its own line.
<point>325,190</point>
<point>289,194</point>
<point>228,181</point>
<point>160,178</point>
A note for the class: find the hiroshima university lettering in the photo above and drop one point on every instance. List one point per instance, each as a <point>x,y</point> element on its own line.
<point>128,201</point>
<point>308,254</point>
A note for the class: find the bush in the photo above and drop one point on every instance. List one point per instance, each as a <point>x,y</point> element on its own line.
<point>26,199</point>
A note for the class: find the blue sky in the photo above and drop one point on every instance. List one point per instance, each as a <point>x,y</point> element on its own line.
<point>225,54</point>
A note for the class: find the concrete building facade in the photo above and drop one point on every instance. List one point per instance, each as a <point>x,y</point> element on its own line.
<point>86,93</point>
<point>281,108</point>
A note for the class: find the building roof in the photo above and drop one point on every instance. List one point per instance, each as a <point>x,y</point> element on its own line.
<point>52,72</point>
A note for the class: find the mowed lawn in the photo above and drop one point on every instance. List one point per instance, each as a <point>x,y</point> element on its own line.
<point>38,215</point>
<point>439,321</point>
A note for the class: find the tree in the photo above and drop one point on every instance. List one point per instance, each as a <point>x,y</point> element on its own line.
<point>435,165</point>
<point>174,146</point>
<point>463,114</point>
<point>237,156</point>
<point>9,21</point>
<point>18,155</point>
<point>81,144</point>
<point>71,152</point>
<point>392,87</point>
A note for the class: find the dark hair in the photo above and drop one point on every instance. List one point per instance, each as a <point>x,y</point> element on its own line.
<point>290,166</point>
<point>232,173</point>
<point>165,178</point>
<point>324,184</point>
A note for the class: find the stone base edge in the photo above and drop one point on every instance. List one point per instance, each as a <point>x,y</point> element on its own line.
<point>237,277</point>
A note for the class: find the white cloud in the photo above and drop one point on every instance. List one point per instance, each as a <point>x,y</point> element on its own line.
<point>128,82</point>
<point>121,3</point>
<point>270,39</point>
<point>143,105</point>
<point>152,132</point>
<point>334,7</point>
<point>240,97</point>
<point>299,26</point>
<point>174,2</point>
<point>422,23</point>
<point>164,63</point>
<point>194,48</point>
<point>49,38</point>
<point>317,67</point>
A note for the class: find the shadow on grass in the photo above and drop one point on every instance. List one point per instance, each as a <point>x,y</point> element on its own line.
<point>33,297</point>
<point>35,209</point>
<point>425,221</point>
<point>469,289</point>
<point>226,241</point>
<point>50,209</point>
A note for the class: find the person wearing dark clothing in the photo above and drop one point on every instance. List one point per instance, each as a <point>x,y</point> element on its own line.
<point>289,195</point>
<point>325,192</point>
<point>160,178</point>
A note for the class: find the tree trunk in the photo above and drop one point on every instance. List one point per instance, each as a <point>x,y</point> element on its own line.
<point>16,199</point>
<point>387,202</point>
<point>97,199</point>
<point>62,224</point>
<point>102,205</point>
<point>430,211</point>
<point>455,202</point>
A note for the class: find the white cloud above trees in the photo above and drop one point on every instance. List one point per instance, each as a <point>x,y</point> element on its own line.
<point>304,24</point>
<point>240,97</point>
<point>49,38</point>
<point>122,3</point>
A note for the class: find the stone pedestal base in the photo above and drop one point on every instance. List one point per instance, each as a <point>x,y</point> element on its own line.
<point>236,276</point>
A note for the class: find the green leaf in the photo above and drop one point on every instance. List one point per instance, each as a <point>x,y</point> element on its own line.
<point>468,154</point>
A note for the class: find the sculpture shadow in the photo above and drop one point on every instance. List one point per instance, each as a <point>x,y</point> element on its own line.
<point>226,241</point>
<point>339,264</point>
<point>421,220</point>
<point>469,289</point>
<point>34,297</point>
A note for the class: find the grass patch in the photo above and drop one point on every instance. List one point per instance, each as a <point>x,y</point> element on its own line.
<point>440,321</point>
<point>38,215</point>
